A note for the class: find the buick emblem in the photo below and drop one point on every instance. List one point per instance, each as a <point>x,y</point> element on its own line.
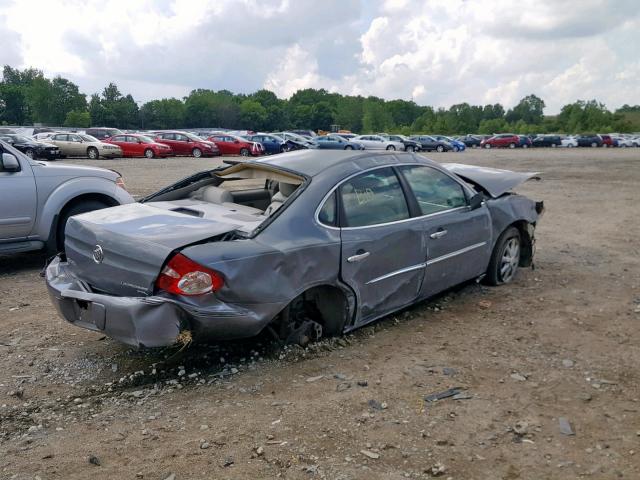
<point>98,254</point>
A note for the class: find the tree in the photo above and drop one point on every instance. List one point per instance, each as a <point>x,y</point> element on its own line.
<point>529,109</point>
<point>253,115</point>
<point>78,118</point>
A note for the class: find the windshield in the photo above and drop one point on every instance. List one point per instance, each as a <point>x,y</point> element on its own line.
<point>193,137</point>
<point>89,138</point>
<point>20,138</point>
<point>145,139</point>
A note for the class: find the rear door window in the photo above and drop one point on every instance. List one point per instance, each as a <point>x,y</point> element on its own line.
<point>373,198</point>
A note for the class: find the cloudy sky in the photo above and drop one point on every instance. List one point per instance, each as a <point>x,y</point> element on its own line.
<point>436,52</point>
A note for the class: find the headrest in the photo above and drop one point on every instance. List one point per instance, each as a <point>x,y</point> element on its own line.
<point>216,195</point>
<point>287,188</point>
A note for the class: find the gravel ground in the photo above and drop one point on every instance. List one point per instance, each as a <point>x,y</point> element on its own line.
<point>547,366</point>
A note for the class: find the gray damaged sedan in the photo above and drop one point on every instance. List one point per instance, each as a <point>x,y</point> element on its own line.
<point>304,244</point>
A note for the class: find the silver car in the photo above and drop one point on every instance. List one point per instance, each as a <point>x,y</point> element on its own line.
<point>37,198</point>
<point>82,145</point>
<point>304,243</point>
<point>377,142</point>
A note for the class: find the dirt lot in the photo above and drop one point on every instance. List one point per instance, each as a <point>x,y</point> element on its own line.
<point>560,342</point>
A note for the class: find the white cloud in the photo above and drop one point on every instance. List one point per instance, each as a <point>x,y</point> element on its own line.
<point>437,52</point>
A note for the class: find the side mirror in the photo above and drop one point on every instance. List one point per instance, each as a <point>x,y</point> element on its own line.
<point>10,163</point>
<point>476,201</point>
<point>236,141</point>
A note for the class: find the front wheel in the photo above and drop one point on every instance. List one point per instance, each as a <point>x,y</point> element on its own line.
<point>29,153</point>
<point>526,145</point>
<point>149,153</point>
<point>391,147</point>
<point>348,147</point>
<point>196,152</point>
<point>456,149</point>
<point>410,148</point>
<point>440,148</point>
<point>505,258</point>
<point>594,145</point>
<point>487,145</point>
<point>92,153</point>
<point>244,152</point>
<point>512,145</point>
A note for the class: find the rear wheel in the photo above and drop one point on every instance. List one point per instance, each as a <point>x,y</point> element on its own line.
<point>526,145</point>
<point>196,152</point>
<point>440,148</point>
<point>244,152</point>
<point>348,147</point>
<point>594,144</point>
<point>505,258</point>
<point>29,152</point>
<point>410,148</point>
<point>92,153</point>
<point>391,147</point>
<point>456,149</point>
<point>76,209</point>
<point>487,145</point>
<point>149,153</point>
<point>512,145</point>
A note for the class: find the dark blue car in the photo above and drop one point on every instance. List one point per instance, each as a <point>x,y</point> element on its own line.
<point>271,143</point>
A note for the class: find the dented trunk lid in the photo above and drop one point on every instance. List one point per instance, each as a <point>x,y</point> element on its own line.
<point>121,250</point>
<point>494,181</point>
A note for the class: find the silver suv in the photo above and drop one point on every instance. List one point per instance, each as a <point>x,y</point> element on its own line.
<point>37,198</point>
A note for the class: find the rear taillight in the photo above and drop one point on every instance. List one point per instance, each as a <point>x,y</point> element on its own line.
<point>183,276</point>
<point>120,183</point>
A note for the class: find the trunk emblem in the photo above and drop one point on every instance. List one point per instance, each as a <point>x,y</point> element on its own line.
<point>98,254</point>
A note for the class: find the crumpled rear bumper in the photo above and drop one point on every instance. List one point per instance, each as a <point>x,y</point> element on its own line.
<point>153,321</point>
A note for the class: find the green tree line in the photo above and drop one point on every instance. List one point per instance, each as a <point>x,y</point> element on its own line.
<point>27,97</point>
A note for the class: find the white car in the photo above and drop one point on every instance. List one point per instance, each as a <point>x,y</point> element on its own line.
<point>625,142</point>
<point>569,142</point>
<point>376,142</point>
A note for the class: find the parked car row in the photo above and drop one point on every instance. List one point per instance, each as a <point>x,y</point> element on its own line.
<point>511,140</point>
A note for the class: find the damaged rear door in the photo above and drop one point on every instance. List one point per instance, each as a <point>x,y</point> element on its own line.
<point>383,249</point>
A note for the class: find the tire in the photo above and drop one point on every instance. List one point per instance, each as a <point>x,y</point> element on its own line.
<point>604,145</point>
<point>487,145</point>
<point>512,145</point>
<point>456,149</point>
<point>196,152</point>
<point>77,209</point>
<point>391,147</point>
<point>410,148</point>
<point>245,152</point>
<point>570,145</point>
<point>348,147</point>
<point>440,148</point>
<point>594,144</point>
<point>149,153</point>
<point>29,153</point>
<point>505,258</point>
<point>92,153</point>
<point>526,145</point>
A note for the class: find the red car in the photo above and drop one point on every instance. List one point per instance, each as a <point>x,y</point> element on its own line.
<point>608,141</point>
<point>134,145</point>
<point>183,143</point>
<point>234,145</point>
<point>502,140</point>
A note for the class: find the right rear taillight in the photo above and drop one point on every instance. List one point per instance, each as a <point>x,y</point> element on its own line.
<point>183,276</point>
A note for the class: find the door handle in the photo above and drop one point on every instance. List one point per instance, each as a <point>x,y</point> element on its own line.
<point>439,234</point>
<point>360,255</point>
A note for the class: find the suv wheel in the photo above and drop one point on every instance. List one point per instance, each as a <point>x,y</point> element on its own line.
<point>77,209</point>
